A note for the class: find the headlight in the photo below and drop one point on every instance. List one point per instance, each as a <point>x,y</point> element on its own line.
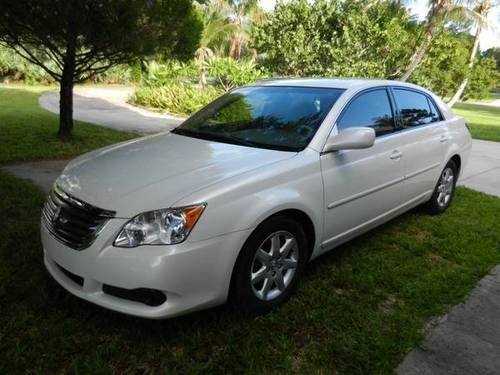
<point>160,227</point>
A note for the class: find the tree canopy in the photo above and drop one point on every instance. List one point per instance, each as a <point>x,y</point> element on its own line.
<point>73,40</point>
<point>337,38</point>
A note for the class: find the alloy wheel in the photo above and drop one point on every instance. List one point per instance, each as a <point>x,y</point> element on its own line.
<point>445,187</point>
<point>274,265</point>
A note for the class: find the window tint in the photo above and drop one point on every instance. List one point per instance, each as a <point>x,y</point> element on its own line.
<point>371,109</point>
<point>413,108</point>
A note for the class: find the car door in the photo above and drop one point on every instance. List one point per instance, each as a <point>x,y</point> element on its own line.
<point>425,137</point>
<point>362,187</point>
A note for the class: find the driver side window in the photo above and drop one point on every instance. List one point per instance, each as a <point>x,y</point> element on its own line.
<point>370,109</point>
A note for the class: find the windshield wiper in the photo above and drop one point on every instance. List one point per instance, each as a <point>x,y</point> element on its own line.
<point>232,140</point>
<point>215,137</point>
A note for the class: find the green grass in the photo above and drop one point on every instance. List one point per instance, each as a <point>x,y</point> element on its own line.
<point>358,310</point>
<point>484,120</point>
<point>28,132</point>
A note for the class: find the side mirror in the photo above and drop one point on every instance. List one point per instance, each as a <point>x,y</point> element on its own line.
<point>351,138</point>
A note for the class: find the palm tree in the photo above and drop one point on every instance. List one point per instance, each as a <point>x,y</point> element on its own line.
<point>479,14</point>
<point>216,33</point>
<point>438,13</point>
<point>244,14</point>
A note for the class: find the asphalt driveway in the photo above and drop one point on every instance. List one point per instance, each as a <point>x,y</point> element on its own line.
<point>108,107</point>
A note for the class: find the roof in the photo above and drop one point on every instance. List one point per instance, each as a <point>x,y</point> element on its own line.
<point>339,83</point>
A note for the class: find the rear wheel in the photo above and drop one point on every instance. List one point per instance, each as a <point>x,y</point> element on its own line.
<point>444,190</point>
<point>269,266</point>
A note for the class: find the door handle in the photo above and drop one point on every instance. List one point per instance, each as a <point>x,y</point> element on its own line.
<point>396,154</point>
<point>444,138</point>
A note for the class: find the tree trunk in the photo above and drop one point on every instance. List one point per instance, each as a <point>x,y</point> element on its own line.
<point>472,59</point>
<point>418,55</point>
<point>65,108</point>
<point>66,91</point>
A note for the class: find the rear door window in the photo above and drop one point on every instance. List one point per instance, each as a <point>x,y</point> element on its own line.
<point>414,108</point>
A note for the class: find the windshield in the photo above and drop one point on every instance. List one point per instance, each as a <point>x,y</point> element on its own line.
<point>281,118</point>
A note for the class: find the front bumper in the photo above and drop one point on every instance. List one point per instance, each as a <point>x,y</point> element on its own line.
<point>192,275</point>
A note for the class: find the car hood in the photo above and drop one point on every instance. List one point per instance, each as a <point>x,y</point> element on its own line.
<point>156,171</point>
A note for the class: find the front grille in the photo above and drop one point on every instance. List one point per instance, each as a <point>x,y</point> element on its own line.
<point>72,221</point>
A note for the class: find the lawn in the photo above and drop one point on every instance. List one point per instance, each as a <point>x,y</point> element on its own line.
<point>483,120</point>
<point>358,310</point>
<point>30,131</point>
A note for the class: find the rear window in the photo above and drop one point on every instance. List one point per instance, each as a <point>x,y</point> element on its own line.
<point>414,108</point>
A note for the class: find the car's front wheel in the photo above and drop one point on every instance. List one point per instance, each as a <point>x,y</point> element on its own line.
<point>444,190</point>
<point>269,265</point>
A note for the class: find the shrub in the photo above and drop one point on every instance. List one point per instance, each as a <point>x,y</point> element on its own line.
<point>230,73</point>
<point>14,68</point>
<point>175,97</point>
<point>160,74</point>
<point>120,74</point>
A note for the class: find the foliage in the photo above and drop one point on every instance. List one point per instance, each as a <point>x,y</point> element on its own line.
<point>83,38</point>
<point>358,310</point>
<point>493,52</point>
<point>160,74</point>
<point>14,68</point>
<point>337,38</point>
<point>230,73</point>
<point>445,64</point>
<point>119,74</point>
<point>483,79</point>
<point>175,97</point>
<point>27,132</point>
<point>170,86</point>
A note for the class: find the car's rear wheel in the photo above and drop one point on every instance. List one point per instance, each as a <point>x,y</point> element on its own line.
<point>444,190</point>
<point>269,265</point>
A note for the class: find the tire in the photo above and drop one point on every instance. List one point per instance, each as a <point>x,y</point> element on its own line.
<point>444,191</point>
<point>263,279</point>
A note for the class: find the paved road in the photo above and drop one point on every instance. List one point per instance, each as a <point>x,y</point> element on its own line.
<point>483,169</point>
<point>107,106</point>
<point>465,341</point>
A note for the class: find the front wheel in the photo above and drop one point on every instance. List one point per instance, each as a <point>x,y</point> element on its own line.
<point>268,268</point>
<point>444,190</point>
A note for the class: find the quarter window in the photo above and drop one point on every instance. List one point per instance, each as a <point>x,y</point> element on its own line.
<point>414,108</point>
<point>436,116</point>
<point>371,109</point>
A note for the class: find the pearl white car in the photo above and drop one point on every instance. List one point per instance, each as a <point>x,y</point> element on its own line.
<point>233,203</point>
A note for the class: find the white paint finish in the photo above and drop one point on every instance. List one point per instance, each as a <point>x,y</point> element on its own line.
<point>153,172</point>
<point>344,193</point>
<point>360,185</point>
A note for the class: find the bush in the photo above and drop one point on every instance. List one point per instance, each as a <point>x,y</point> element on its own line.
<point>160,74</point>
<point>230,73</point>
<point>483,79</point>
<point>15,68</point>
<point>171,85</point>
<point>180,98</point>
<point>120,74</point>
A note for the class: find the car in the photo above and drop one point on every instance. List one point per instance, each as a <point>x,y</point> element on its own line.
<point>232,204</point>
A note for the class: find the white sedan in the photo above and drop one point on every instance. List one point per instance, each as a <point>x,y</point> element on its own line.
<point>233,203</point>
